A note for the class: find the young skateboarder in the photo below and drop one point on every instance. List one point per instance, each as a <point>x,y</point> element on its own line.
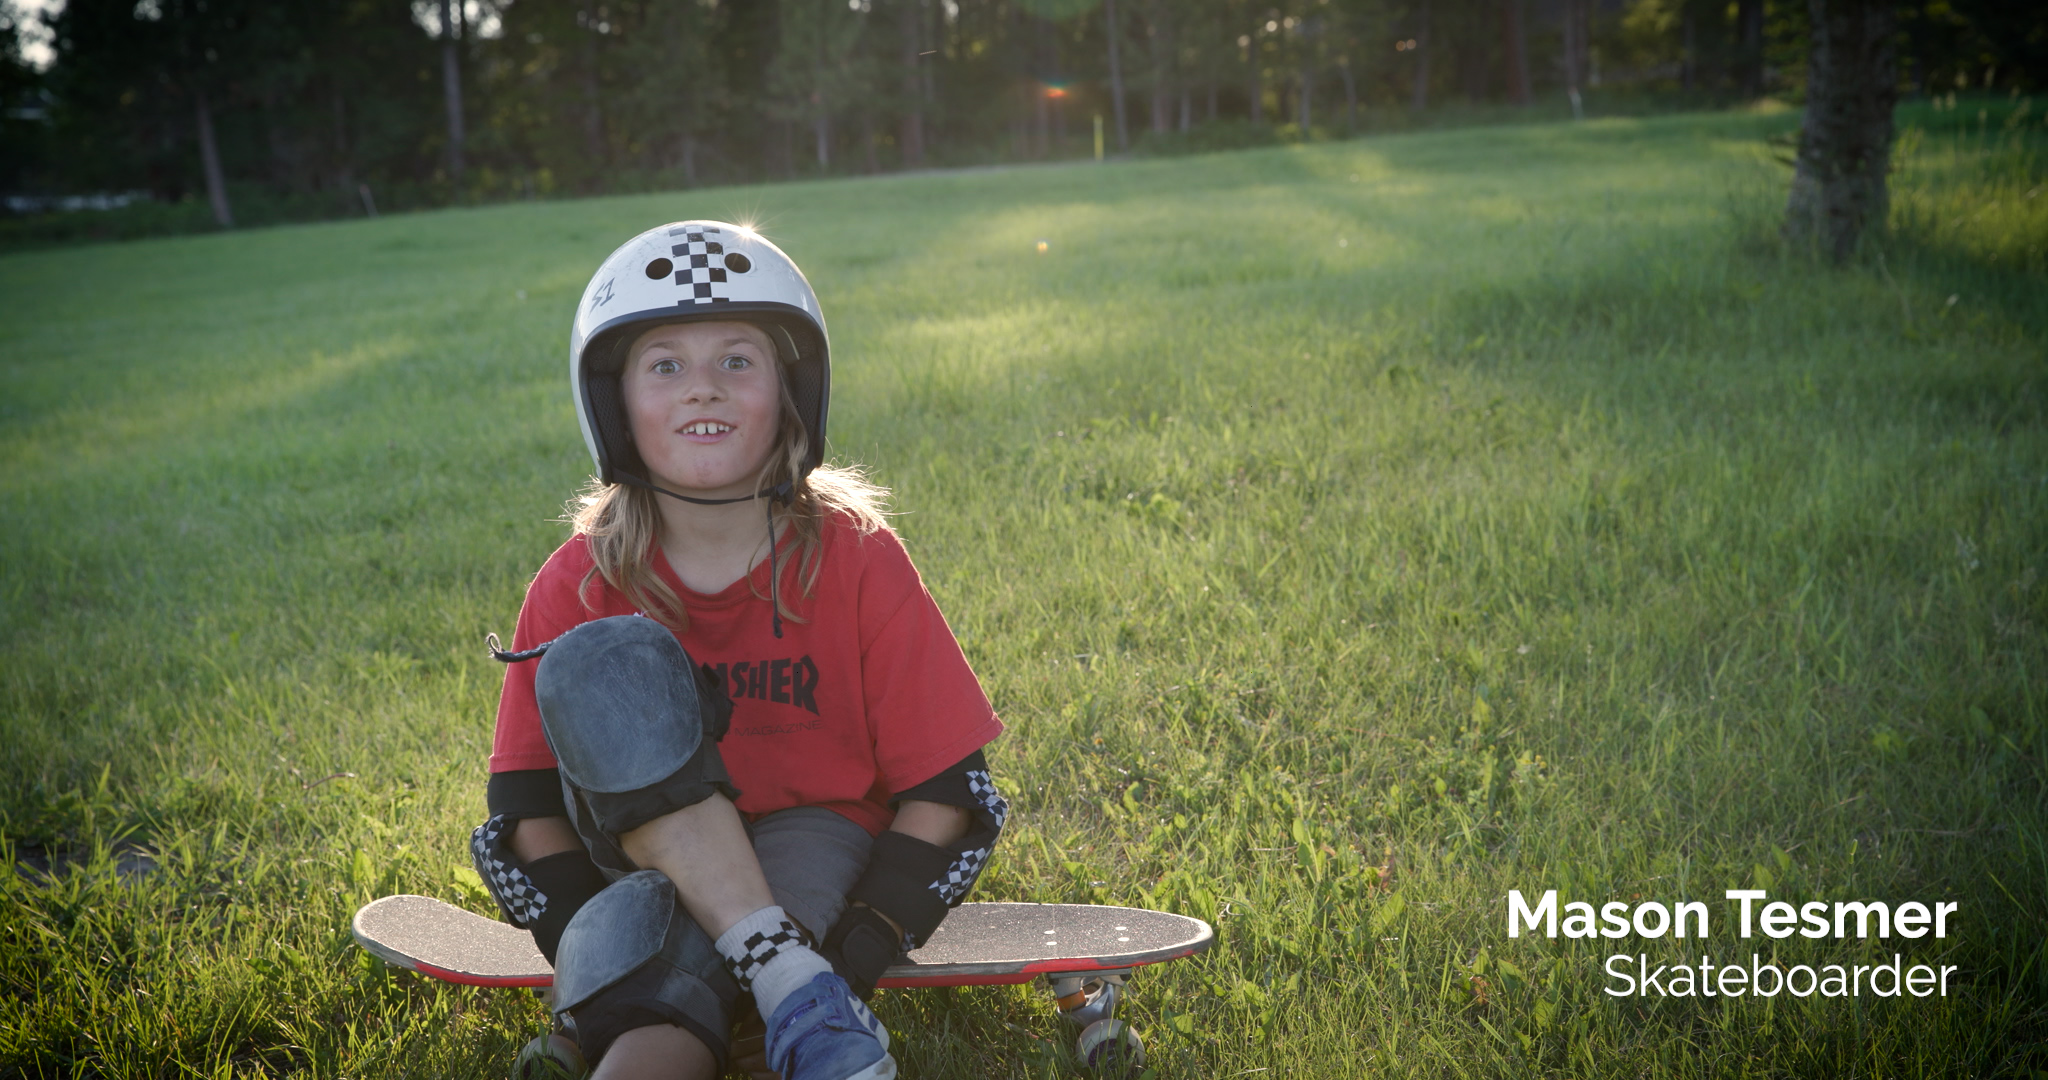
<point>738,751</point>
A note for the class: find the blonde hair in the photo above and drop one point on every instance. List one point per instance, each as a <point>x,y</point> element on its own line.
<point>621,524</point>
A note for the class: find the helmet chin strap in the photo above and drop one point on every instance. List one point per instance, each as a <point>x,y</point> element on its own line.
<point>780,493</point>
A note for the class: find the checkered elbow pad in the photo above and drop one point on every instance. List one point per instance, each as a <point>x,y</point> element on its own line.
<point>967,866</point>
<point>517,896</point>
<point>759,948</point>
<point>983,787</point>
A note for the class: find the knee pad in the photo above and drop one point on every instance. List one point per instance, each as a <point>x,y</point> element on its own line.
<point>632,957</point>
<point>632,723</point>
<point>619,930</point>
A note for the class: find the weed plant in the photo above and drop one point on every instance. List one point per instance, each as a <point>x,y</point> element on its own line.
<point>1347,533</point>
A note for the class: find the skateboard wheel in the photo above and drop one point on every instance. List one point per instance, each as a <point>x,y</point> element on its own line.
<point>1109,1048</point>
<point>1090,1000</point>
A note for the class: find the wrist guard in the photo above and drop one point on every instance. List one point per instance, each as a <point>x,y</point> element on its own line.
<point>899,883</point>
<point>861,947</point>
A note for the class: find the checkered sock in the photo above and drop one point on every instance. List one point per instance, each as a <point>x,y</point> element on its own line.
<point>767,953</point>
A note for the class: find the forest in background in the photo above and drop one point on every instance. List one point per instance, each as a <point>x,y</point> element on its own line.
<point>201,113</point>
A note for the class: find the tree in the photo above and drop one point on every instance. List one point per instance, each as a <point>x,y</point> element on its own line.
<point>1420,47</point>
<point>1515,42</point>
<point>820,67</point>
<point>1116,75</point>
<point>1576,32</point>
<point>1845,139</point>
<point>910,36</point>
<point>1160,47</point>
<point>451,86</point>
<point>24,109</point>
<point>676,99</point>
<point>1749,54</point>
<point>140,64</point>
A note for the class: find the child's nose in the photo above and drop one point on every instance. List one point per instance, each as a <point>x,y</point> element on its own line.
<point>703,385</point>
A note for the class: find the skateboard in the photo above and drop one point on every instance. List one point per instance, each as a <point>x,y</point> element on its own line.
<point>1081,952</point>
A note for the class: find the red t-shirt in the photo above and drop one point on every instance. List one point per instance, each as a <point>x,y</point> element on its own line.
<point>867,697</point>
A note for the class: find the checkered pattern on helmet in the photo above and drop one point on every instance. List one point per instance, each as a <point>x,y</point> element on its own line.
<point>759,948</point>
<point>983,788</point>
<point>960,876</point>
<point>522,902</point>
<point>700,265</point>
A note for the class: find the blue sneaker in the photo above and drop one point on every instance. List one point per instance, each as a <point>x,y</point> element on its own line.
<point>823,1032</point>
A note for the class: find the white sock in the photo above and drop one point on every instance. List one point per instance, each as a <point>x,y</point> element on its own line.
<point>766,952</point>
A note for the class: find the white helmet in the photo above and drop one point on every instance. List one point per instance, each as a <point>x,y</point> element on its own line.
<point>692,271</point>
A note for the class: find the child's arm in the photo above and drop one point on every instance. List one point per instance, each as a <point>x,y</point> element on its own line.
<point>534,839</point>
<point>933,823</point>
<point>925,863</point>
<point>936,824</point>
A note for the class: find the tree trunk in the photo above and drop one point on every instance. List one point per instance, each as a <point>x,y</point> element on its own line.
<point>209,162</point>
<point>1845,140</point>
<point>1159,45</point>
<point>1515,30</point>
<point>593,109</point>
<point>1574,55</point>
<point>1258,88</point>
<point>1687,50</point>
<point>1187,109</point>
<point>1041,121</point>
<point>451,92</point>
<point>1420,99</point>
<point>1116,78</point>
<point>344,169</point>
<point>1308,94</point>
<point>1059,78</point>
<point>689,159</point>
<point>911,135</point>
<point>1749,28</point>
<point>1350,96</point>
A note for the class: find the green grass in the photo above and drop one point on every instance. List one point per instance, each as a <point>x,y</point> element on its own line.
<point>1348,535</point>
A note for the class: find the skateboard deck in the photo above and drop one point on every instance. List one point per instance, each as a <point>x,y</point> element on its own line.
<point>982,944</point>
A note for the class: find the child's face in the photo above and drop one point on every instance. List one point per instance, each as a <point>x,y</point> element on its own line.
<point>704,401</point>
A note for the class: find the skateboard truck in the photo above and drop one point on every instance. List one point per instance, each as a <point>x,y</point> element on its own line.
<point>1087,997</point>
<point>1088,1000</point>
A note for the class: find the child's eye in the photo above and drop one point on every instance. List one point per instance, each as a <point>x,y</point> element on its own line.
<point>666,367</point>
<point>736,362</point>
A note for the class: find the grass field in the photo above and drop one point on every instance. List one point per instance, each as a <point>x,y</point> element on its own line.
<point>1349,534</point>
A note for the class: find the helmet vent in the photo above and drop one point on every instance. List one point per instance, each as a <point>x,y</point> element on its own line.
<point>738,263</point>
<point>660,268</point>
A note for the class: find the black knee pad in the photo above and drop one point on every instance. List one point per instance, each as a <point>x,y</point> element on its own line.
<point>632,957</point>
<point>631,720</point>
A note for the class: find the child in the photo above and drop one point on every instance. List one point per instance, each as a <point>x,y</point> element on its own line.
<point>749,759</point>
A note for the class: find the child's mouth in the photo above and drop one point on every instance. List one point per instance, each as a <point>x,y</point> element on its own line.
<point>705,430</point>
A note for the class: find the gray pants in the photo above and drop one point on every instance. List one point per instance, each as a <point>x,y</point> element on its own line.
<point>620,708</point>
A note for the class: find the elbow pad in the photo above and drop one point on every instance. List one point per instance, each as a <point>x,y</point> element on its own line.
<point>898,883</point>
<point>914,882</point>
<point>539,897</point>
<point>966,785</point>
